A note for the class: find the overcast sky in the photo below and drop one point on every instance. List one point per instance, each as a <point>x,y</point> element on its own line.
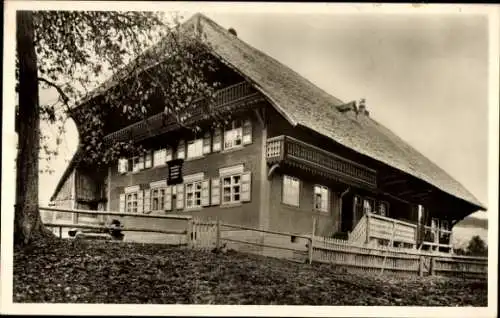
<point>425,77</point>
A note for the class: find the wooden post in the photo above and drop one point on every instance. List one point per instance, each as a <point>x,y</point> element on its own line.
<point>433,266</point>
<point>189,233</point>
<point>217,238</point>
<point>367,227</point>
<point>60,232</point>
<point>421,266</point>
<point>311,241</point>
<point>393,233</point>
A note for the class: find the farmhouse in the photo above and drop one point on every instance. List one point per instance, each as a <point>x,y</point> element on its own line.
<point>292,153</point>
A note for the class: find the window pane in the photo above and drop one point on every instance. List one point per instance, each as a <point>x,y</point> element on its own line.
<point>291,191</point>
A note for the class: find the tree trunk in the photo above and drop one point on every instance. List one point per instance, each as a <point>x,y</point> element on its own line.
<point>27,220</point>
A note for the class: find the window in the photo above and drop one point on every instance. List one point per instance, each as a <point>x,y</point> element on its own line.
<point>233,135</point>
<point>148,160</point>
<point>195,148</point>
<point>137,163</point>
<point>368,206</point>
<point>157,199</point>
<point>181,150</point>
<point>159,157</point>
<point>444,225</point>
<point>321,198</point>
<point>291,190</point>
<point>231,189</point>
<point>383,208</point>
<point>132,203</point>
<point>193,194</point>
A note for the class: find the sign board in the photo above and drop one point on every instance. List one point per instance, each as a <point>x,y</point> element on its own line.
<point>174,171</point>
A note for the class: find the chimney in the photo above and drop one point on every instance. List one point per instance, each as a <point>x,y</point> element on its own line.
<point>232,31</point>
<point>362,107</point>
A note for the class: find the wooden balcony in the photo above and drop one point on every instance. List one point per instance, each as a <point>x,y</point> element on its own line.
<point>388,229</point>
<point>373,228</point>
<point>290,151</point>
<point>238,97</point>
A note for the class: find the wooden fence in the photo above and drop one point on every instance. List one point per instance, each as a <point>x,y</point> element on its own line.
<point>356,257</point>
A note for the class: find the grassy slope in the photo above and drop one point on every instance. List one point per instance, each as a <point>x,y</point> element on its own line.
<point>104,272</point>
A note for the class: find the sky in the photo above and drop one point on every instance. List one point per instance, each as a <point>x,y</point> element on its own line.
<point>425,77</point>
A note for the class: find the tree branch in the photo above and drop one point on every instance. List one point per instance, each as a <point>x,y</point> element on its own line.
<point>63,95</point>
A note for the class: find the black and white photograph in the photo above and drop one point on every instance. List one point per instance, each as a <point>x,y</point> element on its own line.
<point>316,159</point>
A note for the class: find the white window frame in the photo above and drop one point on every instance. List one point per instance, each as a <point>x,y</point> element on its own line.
<point>130,200</point>
<point>192,188</point>
<point>234,187</point>
<point>158,193</point>
<point>287,197</point>
<point>233,134</point>
<point>324,198</point>
<point>196,146</point>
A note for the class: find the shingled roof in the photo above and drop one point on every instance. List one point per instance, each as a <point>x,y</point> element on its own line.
<point>304,104</point>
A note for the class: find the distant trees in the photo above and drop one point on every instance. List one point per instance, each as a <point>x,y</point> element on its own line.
<point>476,247</point>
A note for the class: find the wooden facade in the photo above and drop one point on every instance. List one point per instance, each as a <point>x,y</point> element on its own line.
<point>266,171</point>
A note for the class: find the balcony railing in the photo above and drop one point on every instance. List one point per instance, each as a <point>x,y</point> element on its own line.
<point>290,150</point>
<point>436,238</point>
<point>389,229</point>
<point>226,100</point>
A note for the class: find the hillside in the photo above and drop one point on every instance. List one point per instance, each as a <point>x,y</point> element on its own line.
<point>105,272</point>
<point>474,222</point>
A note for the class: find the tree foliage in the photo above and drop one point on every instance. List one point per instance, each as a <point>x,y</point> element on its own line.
<point>74,52</point>
<point>147,58</point>
<point>476,247</point>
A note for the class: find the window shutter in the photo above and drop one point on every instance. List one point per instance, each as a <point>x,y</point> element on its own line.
<point>205,193</point>
<point>122,165</point>
<point>141,162</point>
<point>217,142</point>
<point>181,150</point>
<point>180,197</point>
<point>168,198</point>
<point>206,143</point>
<point>215,191</point>
<point>121,207</point>
<point>246,186</point>
<point>168,155</point>
<point>148,162</point>
<point>247,132</point>
<point>147,201</point>
<point>140,201</point>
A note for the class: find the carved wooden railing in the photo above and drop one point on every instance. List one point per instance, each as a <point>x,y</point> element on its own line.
<point>288,149</point>
<point>225,100</point>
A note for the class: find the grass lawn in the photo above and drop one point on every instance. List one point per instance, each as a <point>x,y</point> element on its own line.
<point>69,271</point>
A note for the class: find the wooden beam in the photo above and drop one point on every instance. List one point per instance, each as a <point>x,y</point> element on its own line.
<point>260,116</point>
<point>406,192</point>
<point>395,182</point>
